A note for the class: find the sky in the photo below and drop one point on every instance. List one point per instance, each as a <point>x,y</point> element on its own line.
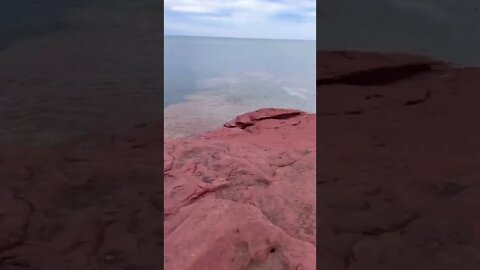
<point>274,19</point>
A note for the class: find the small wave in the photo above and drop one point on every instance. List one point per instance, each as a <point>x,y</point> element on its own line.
<point>217,81</point>
<point>297,92</point>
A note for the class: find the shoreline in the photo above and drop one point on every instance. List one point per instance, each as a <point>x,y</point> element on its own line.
<point>396,157</point>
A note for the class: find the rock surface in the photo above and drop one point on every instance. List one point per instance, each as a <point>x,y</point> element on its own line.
<point>397,186</point>
<point>399,154</point>
<point>234,199</point>
<point>94,205</point>
<point>243,197</point>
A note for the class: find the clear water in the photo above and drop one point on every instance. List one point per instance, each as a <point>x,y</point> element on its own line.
<point>69,68</point>
<point>208,81</point>
<point>196,64</point>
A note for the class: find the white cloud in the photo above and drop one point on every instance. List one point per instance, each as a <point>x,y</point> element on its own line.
<point>255,6</point>
<point>241,18</point>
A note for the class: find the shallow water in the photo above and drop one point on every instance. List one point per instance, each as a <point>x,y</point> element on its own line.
<point>210,80</point>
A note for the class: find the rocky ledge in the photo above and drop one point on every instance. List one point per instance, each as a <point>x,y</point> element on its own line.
<point>397,186</point>
<point>241,197</point>
<point>399,181</point>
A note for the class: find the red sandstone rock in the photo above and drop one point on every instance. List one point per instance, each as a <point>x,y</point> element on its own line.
<point>233,198</point>
<point>249,119</point>
<point>332,63</point>
<point>398,185</point>
<point>243,198</point>
<point>82,208</point>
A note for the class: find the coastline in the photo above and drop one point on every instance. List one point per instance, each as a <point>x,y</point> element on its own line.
<point>226,97</point>
<point>395,189</point>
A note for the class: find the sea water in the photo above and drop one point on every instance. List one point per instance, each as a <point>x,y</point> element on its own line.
<point>208,81</point>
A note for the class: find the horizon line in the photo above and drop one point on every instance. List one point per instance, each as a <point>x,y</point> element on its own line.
<point>198,36</point>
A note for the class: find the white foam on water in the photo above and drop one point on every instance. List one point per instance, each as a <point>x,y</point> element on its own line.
<point>259,75</point>
<point>297,92</point>
<point>216,82</point>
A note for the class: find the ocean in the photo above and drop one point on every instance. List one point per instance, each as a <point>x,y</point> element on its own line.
<point>207,81</point>
<point>73,68</point>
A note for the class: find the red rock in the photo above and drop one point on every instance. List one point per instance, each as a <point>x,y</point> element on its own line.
<point>233,198</point>
<point>397,186</point>
<point>243,197</point>
<point>333,63</point>
<point>249,119</point>
<point>399,178</point>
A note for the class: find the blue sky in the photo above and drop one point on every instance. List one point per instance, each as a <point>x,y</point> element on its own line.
<point>278,19</point>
